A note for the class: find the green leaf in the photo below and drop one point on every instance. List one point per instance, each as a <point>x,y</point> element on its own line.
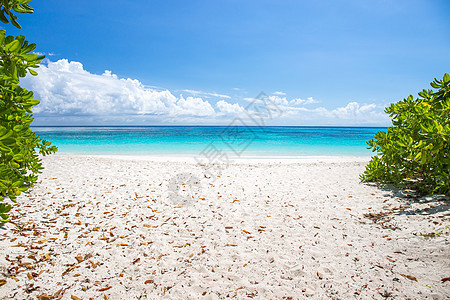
<point>30,57</point>
<point>34,102</point>
<point>27,6</point>
<point>23,9</point>
<point>21,39</point>
<point>14,22</point>
<point>3,17</point>
<point>446,78</point>
<point>2,36</point>
<point>14,46</point>
<point>32,72</point>
<point>29,48</point>
<point>15,73</point>
<point>4,208</point>
<point>5,135</point>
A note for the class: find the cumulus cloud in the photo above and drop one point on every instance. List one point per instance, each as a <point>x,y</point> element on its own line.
<point>269,99</point>
<point>351,114</point>
<point>299,101</point>
<point>65,88</point>
<point>193,107</point>
<point>71,95</point>
<point>278,100</point>
<point>353,109</point>
<point>228,108</point>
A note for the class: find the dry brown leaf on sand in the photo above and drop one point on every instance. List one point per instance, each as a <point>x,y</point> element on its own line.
<point>409,277</point>
<point>319,275</point>
<point>136,260</point>
<point>58,294</point>
<point>445,279</point>
<point>390,259</point>
<point>68,270</point>
<point>74,297</point>
<point>105,289</point>
<point>46,256</point>
<point>26,265</point>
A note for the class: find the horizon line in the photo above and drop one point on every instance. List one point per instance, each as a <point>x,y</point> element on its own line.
<point>104,126</point>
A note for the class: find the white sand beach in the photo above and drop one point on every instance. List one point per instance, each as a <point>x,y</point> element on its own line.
<point>123,228</point>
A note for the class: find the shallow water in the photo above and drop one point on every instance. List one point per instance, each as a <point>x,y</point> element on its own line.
<point>211,140</point>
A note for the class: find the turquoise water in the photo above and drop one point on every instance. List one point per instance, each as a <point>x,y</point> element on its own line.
<point>198,140</point>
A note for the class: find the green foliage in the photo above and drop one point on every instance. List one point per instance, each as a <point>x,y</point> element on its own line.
<point>20,6</point>
<point>415,151</point>
<point>20,147</point>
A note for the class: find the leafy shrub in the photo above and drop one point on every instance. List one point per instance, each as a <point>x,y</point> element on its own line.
<point>19,145</point>
<point>414,151</point>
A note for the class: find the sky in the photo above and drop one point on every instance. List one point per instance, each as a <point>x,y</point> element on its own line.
<point>141,62</point>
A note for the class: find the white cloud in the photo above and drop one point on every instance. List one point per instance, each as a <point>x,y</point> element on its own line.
<point>299,101</point>
<point>283,100</point>
<point>206,94</point>
<point>351,114</point>
<point>71,95</point>
<point>193,107</point>
<point>280,93</point>
<point>354,110</point>
<point>65,88</point>
<point>42,53</point>
<point>269,99</point>
<point>228,108</point>
<point>278,100</point>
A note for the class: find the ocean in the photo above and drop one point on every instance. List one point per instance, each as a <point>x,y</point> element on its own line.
<point>211,140</point>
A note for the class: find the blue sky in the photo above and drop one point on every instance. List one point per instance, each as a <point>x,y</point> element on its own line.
<point>201,62</point>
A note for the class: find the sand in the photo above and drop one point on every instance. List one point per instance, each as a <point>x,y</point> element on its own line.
<point>127,228</point>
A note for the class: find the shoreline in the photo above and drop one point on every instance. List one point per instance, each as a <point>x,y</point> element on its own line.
<point>233,159</point>
<point>96,227</point>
